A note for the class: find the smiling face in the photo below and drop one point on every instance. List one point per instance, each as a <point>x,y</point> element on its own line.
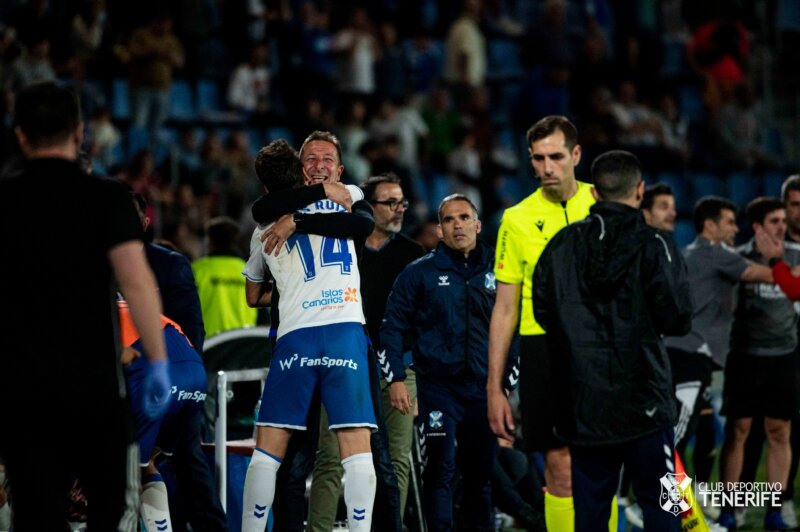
<point>459,226</point>
<point>320,163</point>
<point>554,164</point>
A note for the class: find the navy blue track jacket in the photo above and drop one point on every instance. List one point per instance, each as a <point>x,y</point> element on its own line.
<point>445,302</point>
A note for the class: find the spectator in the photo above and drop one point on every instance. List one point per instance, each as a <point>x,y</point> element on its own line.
<point>465,48</point>
<point>154,54</point>
<point>464,167</point>
<point>88,27</point>
<point>34,66</point>
<point>358,49</point>
<point>613,253</point>
<point>248,91</point>
<point>104,139</point>
<point>353,134</point>
<point>219,280</point>
<point>392,71</point>
<point>442,122</point>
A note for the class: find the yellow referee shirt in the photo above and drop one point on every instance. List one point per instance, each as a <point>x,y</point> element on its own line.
<point>524,232</point>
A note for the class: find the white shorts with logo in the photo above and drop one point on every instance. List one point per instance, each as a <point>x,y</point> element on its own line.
<point>328,358</point>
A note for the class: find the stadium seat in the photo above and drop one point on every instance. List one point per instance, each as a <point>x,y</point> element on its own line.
<point>181,102</point>
<point>256,137</point>
<point>207,97</point>
<point>684,232</point>
<point>742,187</point>
<point>503,59</point>
<point>706,185</point>
<point>772,184</point>
<point>138,139</point>
<point>275,133</point>
<point>690,102</point>
<point>120,100</point>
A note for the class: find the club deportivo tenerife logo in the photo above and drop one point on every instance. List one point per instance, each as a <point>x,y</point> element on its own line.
<point>435,420</point>
<point>675,497</point>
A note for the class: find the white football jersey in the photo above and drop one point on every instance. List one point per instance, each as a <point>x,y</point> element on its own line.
<point>317,277</point>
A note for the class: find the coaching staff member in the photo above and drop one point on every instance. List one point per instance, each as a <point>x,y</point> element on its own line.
<point>444,300</point>
<point>60,382</point>
<point>605,289</point>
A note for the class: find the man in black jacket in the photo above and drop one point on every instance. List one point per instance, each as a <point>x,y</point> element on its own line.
<point>606,289</point>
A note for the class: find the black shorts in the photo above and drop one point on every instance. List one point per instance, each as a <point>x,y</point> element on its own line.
<point>760,386</point>
<point>537,395</point>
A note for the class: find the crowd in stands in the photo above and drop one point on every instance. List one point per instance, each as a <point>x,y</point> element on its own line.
<point>178,96</point>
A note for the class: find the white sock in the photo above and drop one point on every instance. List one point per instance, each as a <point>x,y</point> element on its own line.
<point>259,490</point>
<point>155,506</point>
<point>359,490</point>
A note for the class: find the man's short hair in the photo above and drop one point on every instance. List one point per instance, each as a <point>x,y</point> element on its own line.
<point>457,197</point>
<point>615,174</point>
<point>370,186</point>
<point>710,208</point>
<point>759,208</point>
<point>278,167</point>
<point>223,236</point>
<point>792,183</point>
<point>549,125</point>
<point>325,136</point>
<point>47,114</point>
<point>652,192</point>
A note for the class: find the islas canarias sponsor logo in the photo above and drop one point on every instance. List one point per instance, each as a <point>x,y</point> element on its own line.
<point>334,296</point>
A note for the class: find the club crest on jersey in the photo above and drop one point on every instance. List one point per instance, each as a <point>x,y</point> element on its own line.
<point>435,419</point>
<point>490,282</point>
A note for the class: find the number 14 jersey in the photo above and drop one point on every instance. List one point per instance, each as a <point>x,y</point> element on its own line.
<point>317,277</point>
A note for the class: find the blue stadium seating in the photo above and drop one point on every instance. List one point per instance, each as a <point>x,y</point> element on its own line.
<point>181,102</point>
<point>706,185</point>
<point>684,232</point>
<point>120,100</point>
<point>207,97</point>
<point>503,59</point>
<point>772,183</point>
<point>690,102</point>
<point>275,133</point>
<point>742,187</point>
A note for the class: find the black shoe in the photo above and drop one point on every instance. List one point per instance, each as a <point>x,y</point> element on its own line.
<point>531,520</point>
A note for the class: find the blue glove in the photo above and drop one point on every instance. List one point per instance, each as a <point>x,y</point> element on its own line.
<point>156,389</point>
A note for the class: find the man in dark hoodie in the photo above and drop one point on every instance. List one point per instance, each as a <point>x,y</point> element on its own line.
<point>605,290</point>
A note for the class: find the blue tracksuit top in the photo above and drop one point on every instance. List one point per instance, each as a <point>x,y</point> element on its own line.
<point>444,301</point>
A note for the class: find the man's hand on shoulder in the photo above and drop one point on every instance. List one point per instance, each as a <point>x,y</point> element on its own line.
<point>338,193</point>
<point>275,236</point>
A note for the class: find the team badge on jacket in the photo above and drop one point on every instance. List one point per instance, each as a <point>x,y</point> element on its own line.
<point>435,419</point>
<point>490,282</point>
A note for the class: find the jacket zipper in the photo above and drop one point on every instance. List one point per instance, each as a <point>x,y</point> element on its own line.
<point>466,321</point>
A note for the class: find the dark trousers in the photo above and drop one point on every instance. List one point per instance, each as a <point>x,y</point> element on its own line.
<point>94,443</point>
<point>197,498</point>
<point>450,413</point>
<point>289,507</point>
<point>595,476</point>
